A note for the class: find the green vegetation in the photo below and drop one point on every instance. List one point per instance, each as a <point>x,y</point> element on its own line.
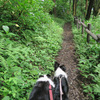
<point>89,59</point>
<point>95,24</point>
<point>30,38</point>
<point>29,41</point>
<point>63,10</point>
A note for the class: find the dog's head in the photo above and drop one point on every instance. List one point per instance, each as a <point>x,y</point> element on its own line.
<point>45,78</point>
<point>60,71</point>
<point>56,65</point>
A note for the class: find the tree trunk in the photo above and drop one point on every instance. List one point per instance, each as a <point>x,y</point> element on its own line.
<point>74,7</point>
<point>86,6</point>
<point>89,9</point>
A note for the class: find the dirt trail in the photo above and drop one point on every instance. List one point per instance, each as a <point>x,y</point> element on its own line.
<point>67,57</point>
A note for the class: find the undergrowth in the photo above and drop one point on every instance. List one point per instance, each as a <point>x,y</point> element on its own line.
<point>89,60</point>
<point>29,42</point>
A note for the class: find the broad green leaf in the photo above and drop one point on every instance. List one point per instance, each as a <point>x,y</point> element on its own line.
<point>11,34</point>
<point>5,28</point>
<point>86,91</point>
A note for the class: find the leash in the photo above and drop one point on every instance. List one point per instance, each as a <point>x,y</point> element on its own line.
<point>50,92</point>
<point>61,92</point>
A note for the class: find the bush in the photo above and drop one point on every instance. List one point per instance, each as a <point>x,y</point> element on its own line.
<point>29,41</point>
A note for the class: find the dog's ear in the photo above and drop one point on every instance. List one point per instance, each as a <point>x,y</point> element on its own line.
<point>56,65</point>
<point>48,75</point>
<point>63,67</point>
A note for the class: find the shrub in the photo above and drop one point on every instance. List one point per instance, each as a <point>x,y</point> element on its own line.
<point>89,61</point>
<point>29,41</point>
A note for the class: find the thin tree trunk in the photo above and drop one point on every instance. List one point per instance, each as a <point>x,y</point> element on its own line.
<point>74,7</point>
<point>89,9</point>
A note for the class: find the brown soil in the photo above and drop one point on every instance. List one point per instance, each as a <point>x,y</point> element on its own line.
<point>67,57</point>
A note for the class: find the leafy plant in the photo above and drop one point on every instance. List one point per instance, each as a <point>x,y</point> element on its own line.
<point>89,61</point>
<point>29,42</point>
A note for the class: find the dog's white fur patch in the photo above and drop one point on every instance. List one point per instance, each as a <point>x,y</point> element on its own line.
<point>59,71</point>
<point>45,79</point>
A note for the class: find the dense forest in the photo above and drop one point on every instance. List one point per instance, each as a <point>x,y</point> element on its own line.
<point>31,36</point>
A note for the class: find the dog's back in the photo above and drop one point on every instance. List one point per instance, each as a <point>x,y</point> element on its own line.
<point>60,75</point>
<point>41,89</point>
<point>64,85</point>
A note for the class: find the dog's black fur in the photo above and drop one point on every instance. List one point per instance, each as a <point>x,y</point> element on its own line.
<point>41,91</point>
<point>63,82</point>
<point>41,88</point>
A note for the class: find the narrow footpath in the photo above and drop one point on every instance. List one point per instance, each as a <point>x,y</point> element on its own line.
<point>67,57</point>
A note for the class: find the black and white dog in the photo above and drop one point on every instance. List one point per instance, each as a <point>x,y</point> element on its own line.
<point>61,83</point>
<point>42,89</point>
